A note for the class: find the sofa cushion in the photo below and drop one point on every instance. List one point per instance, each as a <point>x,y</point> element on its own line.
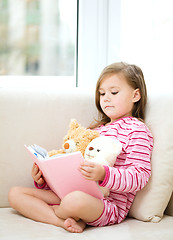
<point>150,202</point>
<point>15,227</point>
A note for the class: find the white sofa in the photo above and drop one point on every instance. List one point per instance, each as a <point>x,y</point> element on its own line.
<point>42,117</point>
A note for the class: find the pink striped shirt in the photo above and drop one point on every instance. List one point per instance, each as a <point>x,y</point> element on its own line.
<point>131,171</point>
<point>132,168</point>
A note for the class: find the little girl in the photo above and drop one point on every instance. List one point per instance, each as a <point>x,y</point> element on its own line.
<point>120,99</point>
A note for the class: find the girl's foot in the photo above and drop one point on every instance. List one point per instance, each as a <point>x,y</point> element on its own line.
<point>72,226</point>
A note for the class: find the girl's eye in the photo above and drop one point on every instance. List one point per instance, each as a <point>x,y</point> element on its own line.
<point>114,93</point>
<point>102,94</point>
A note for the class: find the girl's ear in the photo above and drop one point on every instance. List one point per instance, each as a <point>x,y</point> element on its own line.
<point>137,95</point>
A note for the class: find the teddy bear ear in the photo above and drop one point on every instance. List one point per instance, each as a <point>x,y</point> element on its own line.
<point>74,124</point>
<point>94,134</point>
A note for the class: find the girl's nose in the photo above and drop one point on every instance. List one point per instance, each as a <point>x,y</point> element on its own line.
<point>106,98</point>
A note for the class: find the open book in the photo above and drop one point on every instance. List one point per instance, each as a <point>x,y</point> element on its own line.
<point>61,172</point>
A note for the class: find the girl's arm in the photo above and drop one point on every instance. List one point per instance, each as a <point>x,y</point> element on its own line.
<point>134,173</point>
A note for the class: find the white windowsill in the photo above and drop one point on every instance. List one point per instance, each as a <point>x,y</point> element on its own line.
<point>37,82</point>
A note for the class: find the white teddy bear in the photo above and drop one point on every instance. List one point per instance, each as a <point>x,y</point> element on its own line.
<point>103,150</point>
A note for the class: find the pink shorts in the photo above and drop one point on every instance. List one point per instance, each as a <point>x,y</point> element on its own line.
<point>109,215</point>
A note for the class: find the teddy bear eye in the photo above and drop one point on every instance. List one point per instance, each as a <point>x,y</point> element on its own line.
<point>77,143</point>
<point>98,150</point>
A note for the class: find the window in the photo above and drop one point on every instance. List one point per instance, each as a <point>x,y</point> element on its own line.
<point>134,31</point>
<point>38,38</point>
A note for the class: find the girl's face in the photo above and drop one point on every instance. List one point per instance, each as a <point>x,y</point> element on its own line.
<point>117,97</point>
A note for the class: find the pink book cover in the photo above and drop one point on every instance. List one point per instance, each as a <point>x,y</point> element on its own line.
<point>63,176</point>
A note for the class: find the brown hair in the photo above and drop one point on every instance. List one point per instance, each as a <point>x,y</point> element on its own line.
<point>135,78</point>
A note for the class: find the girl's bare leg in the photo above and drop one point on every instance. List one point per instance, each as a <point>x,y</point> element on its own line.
<point>78,208</point>
<point>33,203</point>
<point>73,225</point>
<point>72,213</point>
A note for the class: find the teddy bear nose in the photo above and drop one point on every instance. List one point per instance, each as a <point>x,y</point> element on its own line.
<point>66,145</point>
<point>91,148</point>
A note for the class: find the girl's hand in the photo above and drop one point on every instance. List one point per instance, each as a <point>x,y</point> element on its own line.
<point>37,174</point>
<point>92,171</point>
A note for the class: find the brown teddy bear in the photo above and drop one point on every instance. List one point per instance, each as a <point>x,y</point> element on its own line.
<point>77,139</point>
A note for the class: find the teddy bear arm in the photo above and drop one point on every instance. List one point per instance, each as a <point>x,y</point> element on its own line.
<point>54,152</point>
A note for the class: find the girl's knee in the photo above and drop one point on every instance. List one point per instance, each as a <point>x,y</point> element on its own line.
<point>14,194</point>
<point>74,201</point>
<point>14,191</point>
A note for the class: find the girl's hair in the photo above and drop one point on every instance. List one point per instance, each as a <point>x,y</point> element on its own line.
<point>134,77</point>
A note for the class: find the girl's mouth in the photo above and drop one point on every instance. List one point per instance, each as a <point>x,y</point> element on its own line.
<point>108,107</point>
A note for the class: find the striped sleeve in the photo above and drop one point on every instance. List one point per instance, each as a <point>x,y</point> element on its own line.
<point>133,175</point>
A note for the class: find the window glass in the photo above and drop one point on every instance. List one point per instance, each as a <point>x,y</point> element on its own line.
<point>38,37</point>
